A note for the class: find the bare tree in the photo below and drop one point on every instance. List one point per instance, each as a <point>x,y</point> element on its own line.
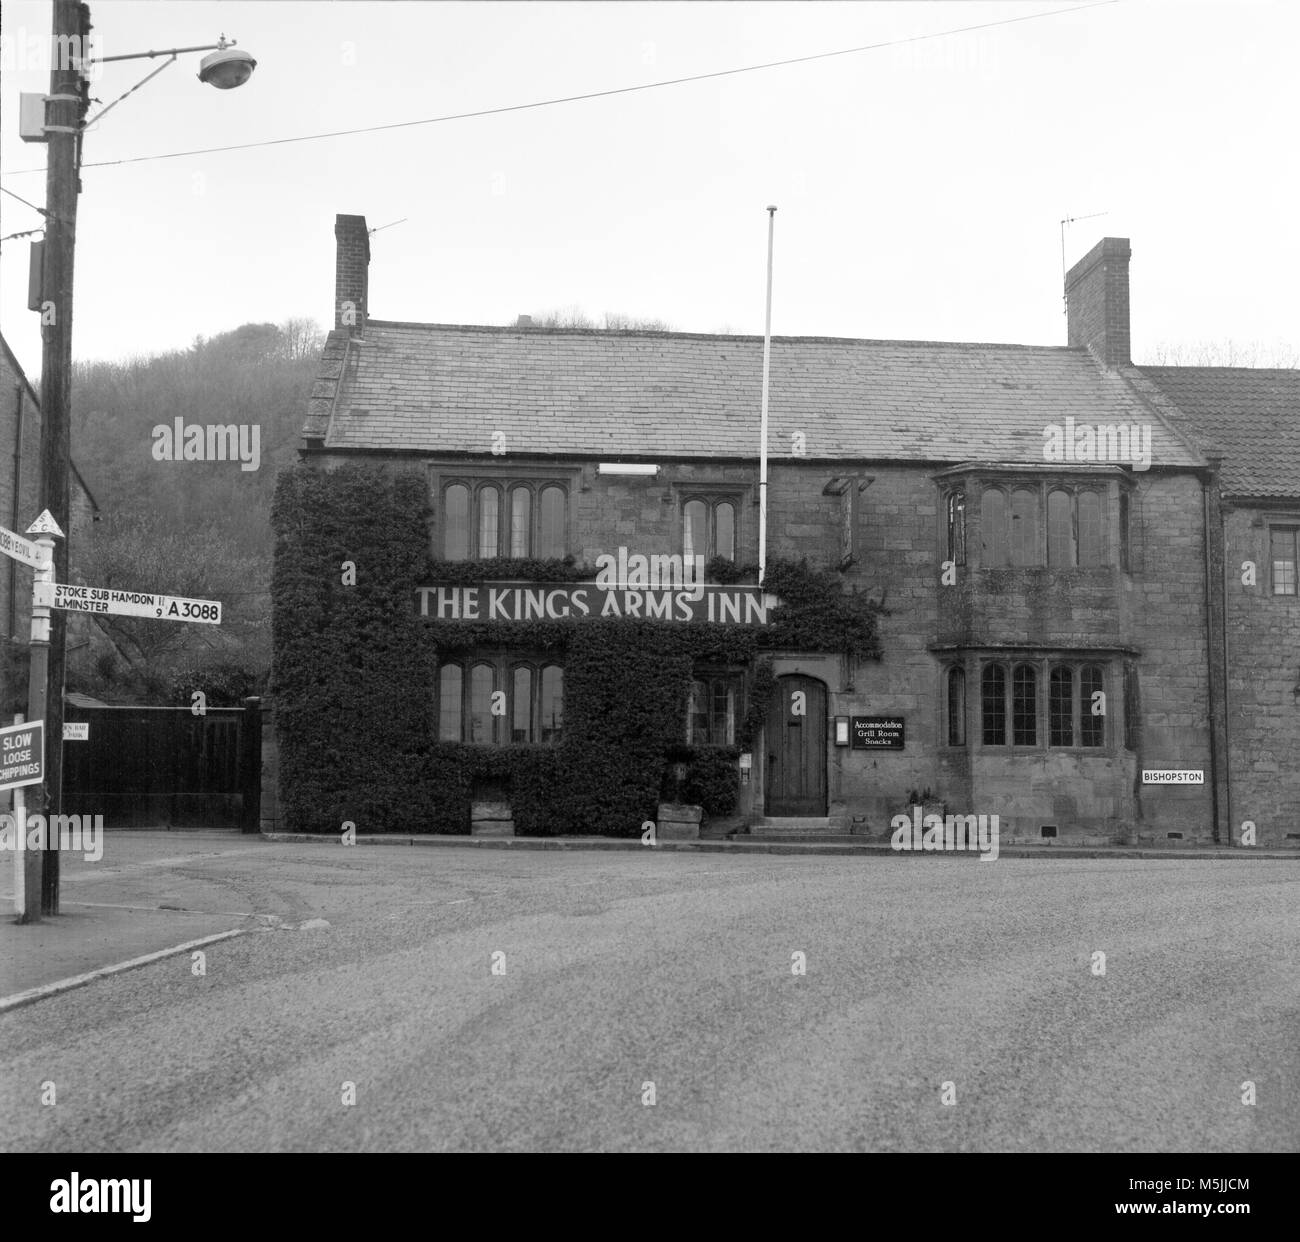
<point>1277,354</point>
<point>301,338</point>
<point>614,321</point>
<point>135,552</point>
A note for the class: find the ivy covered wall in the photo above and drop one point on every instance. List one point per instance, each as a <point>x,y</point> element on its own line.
<point>355,667</point>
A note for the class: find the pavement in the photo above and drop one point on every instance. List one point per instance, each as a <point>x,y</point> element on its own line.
<point>787,845</point>
<point>146,895</point>
<point>158,891</point>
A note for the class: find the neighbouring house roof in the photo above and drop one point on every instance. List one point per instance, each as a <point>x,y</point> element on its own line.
<point>438,388</point>
<point>1251,415</point>
<point>12,363</point>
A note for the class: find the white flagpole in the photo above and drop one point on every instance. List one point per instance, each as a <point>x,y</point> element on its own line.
<point>762,447</point>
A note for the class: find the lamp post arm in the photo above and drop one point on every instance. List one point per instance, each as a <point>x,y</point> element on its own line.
<point>104,111</point>
<point>171,51</point>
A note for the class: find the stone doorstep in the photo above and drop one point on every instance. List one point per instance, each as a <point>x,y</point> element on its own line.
<point>490,811</point>
<point>799,826</point>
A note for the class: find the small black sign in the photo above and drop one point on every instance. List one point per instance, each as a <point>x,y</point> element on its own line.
<point>877,733</point>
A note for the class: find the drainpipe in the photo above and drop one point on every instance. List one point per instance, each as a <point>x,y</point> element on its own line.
<point>762,427</point>
<point>17,506</point>
<point>1216,640</point>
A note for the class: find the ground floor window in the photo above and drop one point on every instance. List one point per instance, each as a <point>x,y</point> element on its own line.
<point>1026,703</point>
<point>500,700</point>
<point>713,709</point>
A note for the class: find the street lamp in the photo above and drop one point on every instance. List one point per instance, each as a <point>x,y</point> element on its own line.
<point>227,68</point>
<point>62,129</point>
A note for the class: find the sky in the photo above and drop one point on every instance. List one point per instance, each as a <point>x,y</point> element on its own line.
<point>920,187</point>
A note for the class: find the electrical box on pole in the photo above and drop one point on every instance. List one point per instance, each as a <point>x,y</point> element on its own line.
<point>31,117</point>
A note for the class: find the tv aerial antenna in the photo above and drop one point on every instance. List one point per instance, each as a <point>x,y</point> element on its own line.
<point>1065,307</point>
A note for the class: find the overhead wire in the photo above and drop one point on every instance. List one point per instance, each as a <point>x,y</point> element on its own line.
<point>620,90</point>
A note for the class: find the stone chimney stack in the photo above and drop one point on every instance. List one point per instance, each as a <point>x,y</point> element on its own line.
<point>1096,296</point>
<point>351,273</point>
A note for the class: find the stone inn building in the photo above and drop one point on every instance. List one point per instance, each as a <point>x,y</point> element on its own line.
<point>1045,541</point>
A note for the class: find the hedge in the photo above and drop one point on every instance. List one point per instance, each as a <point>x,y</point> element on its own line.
<point>354,672</point>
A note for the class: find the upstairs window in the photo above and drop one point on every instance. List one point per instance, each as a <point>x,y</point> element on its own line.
<point>993,528</point>
<point>521,520</point>
<point>709,527</point>
<point>551,522</point>
<point>1062,527</point>
<point>490,518</point>
<point>1024,527</point>
<point>1088,525</point>
<point>957,527</point>
<point>455,522</point>
<point>1284,559</point>
<point>1061,549</point>
<point>489,522</point>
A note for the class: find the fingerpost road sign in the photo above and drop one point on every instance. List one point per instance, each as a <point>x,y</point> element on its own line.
<point>75,598</point>
<point>18,548</point>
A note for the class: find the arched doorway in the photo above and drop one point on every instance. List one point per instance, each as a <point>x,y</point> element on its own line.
<point>796,748</point>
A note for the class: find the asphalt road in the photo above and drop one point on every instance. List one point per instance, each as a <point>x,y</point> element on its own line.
<point>626,969</point>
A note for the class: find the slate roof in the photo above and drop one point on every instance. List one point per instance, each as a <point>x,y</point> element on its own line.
<point>440,388</point>
<point>1250,414</point>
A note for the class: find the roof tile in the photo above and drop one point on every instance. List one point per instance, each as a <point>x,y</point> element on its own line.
<point>446,388</point>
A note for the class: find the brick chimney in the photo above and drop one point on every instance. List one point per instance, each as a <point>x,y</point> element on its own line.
<point>351,273</point>
<point>1096,295</point>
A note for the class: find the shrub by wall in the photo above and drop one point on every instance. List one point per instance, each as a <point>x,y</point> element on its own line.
<point>349,657</point>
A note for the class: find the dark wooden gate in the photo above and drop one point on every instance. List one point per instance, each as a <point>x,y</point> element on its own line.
<point>796,748</point>
<point>151,767</point>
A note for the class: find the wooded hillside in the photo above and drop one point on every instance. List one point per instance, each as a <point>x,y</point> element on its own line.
<point>187,527</point>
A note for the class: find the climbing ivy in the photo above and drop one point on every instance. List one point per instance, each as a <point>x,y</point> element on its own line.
<point>355,675</point>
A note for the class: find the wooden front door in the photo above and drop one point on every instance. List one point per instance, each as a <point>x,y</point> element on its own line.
<point>796,748</point>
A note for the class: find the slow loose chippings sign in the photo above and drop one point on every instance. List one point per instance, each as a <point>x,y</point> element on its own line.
<point>22,754</point>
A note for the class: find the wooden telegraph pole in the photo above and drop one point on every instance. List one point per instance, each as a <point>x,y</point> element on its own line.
<point>65,110</point>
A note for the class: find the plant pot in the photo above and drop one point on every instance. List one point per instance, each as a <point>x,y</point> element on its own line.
<point>491,819</point>
<point>678,821</point>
